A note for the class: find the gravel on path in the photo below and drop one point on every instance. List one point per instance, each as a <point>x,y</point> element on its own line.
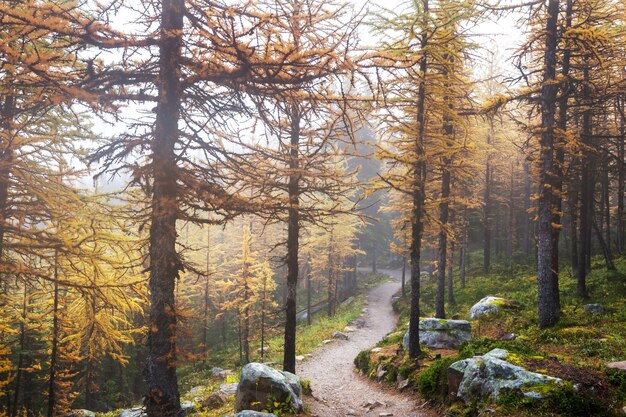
<point>338,389</point>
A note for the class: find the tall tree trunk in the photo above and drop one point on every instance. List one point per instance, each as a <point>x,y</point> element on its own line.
<point>55,340</point>
<point>512,233</point>
<point>559,159</point>
<point>444,213</point>
<point>419,193</point>
<point>606,196</point>
<point>527,217</point>
<point>608,260</point>
<point>21,356</point>
<point>309,293</point>
<point>91,386</point>
<point>487,207</point>
<point>293,243</point>
<point>547,291</point>
<point>163,398</point>
<point>205,319</point>
<point>620,175</point>
<point>451,275</point>
<point>6,162</point>
<point>245,335</point>
<point>403,276</point>
<point>586,192</point>
<point>572,202</point>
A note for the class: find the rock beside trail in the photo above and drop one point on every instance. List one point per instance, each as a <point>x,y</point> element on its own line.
<point>340,336</point>
<point>250,413</point>
<point>215,400</point>
<point>220,373</point>
<point>486,376</point>
<point>617,365</point>
<point>229,389</point>
<point>442,334</point>
<point>80,413</point>
<point>133,412</point>
<point>187,406</point>
<point>594,308</point>
<point>490,305</point>
<point>258,384</point>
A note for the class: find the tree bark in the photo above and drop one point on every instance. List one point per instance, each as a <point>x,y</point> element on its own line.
<point>6,162</point>
<point>547,291</point>
<point>293,243</point>
<point>163,398</point>
<point>620,176</point>
<point>55,341</point>
<point>444,213</point>
<point>586,193</point>
<point>403,276</point>
<point>419,177</point>
<point>487,207</point>
<point>451,275</point>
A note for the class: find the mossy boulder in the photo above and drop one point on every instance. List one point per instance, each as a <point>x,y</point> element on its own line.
<point>260,385</point>
<point>488,376</point>
<point>491,305</point>
<point>441,334</point>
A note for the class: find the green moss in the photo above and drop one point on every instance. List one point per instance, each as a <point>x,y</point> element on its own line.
<point>432,383</point>
<point>362,361</point>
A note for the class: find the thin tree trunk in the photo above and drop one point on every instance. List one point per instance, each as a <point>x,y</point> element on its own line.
<point>55,340</point>
<point>608,261</point>
<point>419,177</point>
<point>512,233</point>
<point>487,207</point>
<point>451,275</point>
<point>20,358</point>
<point>245,335</point>
<point>293,243</point>
<point>607,207</point>
<point>548,293</point>
<point>403,276</point>
<point>309,294</point>
<point>205,321</point>
<point>620,177</point>
<point>527,218</point>
<point>6,162</point>
<point>572,199</point>
<point>163,398</point>
<point>586,194</point>
<point>444,212</point>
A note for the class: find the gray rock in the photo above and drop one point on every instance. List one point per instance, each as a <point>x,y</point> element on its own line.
<point>617,365</point>
<point>442,334</point>
<point>215,400</point>
<point>483,377</point>
<point>80,413</point>
<point>196,390</point>
<point>229,389</point>
<point>133,412</point>
<point>250,413</point>
<point>187,406</point>
<point>402,384</point>
<point>215,371</point>
<point>490,305</point>
<point>340,336</point>
<point>258,384</point>
<point>594,308</point>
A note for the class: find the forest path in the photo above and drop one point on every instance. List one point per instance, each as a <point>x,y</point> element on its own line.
<point>338,389</point>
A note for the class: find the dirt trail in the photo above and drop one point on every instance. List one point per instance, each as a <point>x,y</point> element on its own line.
<point>338,389</point>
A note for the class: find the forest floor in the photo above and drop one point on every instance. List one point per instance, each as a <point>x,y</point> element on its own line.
<point>338,389</point>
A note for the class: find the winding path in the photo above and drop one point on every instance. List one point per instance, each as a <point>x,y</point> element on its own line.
<point>338,389</point>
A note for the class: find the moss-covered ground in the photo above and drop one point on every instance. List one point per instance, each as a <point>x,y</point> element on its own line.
<point>576,349</point>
